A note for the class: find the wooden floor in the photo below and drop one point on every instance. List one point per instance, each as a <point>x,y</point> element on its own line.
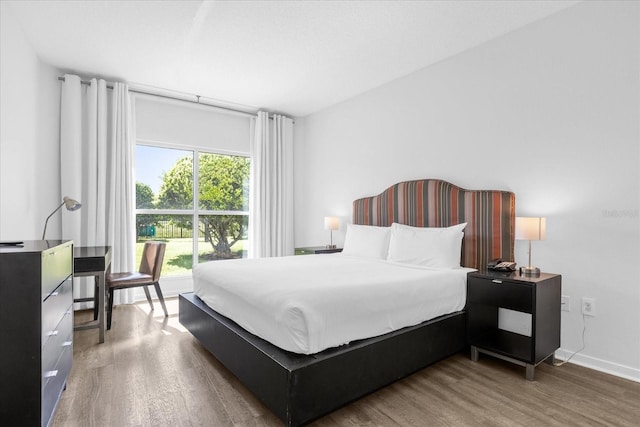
<point>151,372</point>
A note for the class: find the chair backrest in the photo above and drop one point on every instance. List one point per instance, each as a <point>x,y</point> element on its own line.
<point>152,257</point>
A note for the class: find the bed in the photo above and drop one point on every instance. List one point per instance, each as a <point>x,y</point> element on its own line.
<point>299,388</point>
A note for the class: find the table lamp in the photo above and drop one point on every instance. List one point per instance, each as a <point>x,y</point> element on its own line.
<point>530,228</point>
<point>70,204</point>
<point>331,223</point>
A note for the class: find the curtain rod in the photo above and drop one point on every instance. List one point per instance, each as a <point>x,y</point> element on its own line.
<point>197,101</point>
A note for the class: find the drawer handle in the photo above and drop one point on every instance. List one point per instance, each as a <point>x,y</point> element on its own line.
<point>52,333</point>
<point>497,281</point>
<point>50,374</point>
<point>54,294</point>
<point>67,343</point>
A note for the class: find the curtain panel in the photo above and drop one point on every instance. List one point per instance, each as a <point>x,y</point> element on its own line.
<point>271,198</point>
<point>96,162</point>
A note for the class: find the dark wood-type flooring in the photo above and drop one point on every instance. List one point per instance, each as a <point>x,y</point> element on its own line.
<point>152,372</point>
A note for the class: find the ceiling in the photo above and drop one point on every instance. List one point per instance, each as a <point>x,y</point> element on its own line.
<point>292,57</point>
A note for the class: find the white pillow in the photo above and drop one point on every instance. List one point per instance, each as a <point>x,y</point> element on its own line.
<point>367,241</point>
<point>437,247</point>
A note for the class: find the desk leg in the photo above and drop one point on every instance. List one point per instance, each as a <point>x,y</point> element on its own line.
<point>101,294</point>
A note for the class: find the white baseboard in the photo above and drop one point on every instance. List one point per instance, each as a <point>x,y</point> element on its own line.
<point>605,366</point>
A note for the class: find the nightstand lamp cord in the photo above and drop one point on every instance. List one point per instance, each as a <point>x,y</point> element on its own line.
<point>584,328</point>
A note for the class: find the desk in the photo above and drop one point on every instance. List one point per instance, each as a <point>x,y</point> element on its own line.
<point>93,261</point>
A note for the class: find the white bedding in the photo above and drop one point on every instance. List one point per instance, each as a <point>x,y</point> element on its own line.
<point>305,304</point>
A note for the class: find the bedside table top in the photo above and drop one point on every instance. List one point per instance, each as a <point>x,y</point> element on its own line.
<point>316,250</point>
<point>513,275</point>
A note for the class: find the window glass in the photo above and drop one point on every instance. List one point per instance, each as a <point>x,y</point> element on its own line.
<point>223,237</point>
<point>223,182</point>
<point>166,208</point>
<point>164,178</point>
<point>176,231</point>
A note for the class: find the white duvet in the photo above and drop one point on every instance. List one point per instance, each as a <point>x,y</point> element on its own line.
<point>305,304</point>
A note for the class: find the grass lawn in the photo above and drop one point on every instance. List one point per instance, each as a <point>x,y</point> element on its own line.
<point>178,256</point>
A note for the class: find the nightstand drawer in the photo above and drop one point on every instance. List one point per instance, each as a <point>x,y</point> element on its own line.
<point>500,293</point>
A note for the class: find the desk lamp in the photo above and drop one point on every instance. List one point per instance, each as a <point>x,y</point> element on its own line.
<point>70,204</point>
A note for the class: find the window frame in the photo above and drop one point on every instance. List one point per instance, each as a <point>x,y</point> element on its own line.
<point>195,212</point>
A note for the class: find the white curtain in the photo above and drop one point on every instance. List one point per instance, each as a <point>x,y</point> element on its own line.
<point>271,205</point>
<point>96,155</point>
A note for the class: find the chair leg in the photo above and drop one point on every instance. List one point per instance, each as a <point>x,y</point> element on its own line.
<point>110,308</point>
<point>146,292</point>
<point>161,298</point>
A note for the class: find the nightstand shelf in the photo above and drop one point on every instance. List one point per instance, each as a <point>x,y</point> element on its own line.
<point>535,297</point>
<point>505,343</point>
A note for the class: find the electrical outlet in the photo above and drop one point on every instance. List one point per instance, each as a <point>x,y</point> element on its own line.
<point>589,306</point>
<point>565,303</point>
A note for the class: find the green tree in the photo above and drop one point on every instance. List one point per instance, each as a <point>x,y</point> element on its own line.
<point>144,196</point>
<point>176,191</point>
<point>223,186</point>
<point>145,199</point>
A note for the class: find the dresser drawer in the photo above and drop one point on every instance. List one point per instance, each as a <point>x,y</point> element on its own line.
<point>55,306</point>
<point>53,384</point>
<point>500,293</point>
<point>57,265</point>
<point>55,343</point>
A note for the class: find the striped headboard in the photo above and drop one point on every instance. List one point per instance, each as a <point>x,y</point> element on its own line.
<point>489,214</point>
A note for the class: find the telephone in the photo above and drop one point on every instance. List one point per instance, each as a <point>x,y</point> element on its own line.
<point>499,265</point>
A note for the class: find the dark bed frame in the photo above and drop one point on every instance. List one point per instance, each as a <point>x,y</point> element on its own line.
<point>300,388</point>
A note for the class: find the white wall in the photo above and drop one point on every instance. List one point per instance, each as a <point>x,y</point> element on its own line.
<point>29,136</point>
<point>550,112</point>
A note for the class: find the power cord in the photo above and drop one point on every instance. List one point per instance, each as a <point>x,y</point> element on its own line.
<point>584,328</point>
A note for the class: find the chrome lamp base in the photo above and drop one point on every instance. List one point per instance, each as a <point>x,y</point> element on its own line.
<point>530,271</point>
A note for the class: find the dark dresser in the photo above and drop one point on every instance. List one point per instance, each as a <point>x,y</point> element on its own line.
<point>36,329</point>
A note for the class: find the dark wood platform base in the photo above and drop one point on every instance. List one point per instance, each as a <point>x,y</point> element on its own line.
<point>300,388</point>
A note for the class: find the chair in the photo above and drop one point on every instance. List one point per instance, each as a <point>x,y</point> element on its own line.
<point>149,274</point>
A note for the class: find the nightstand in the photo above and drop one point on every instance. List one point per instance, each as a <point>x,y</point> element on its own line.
<point>535,298</point>
<point>316,250</point>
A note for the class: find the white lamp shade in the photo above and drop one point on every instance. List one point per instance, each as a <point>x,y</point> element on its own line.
<point>331,223</point>
<point>530,228</point>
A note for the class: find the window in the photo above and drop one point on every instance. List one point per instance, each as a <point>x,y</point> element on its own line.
<point>199,208</point>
